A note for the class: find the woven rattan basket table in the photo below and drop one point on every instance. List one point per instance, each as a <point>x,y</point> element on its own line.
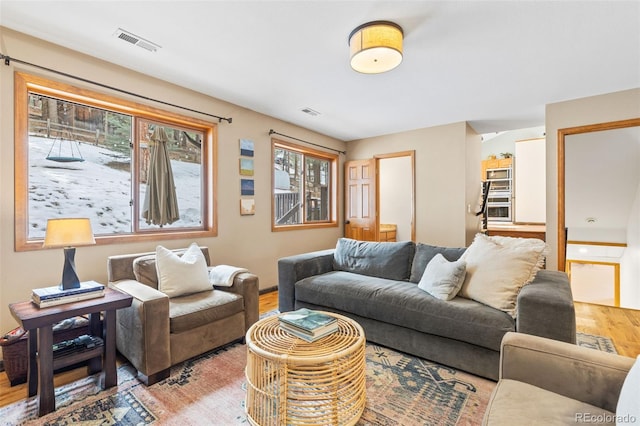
<point>294,382</point>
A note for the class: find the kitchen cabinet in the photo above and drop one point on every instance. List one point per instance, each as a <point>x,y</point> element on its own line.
<point>530,181</point>
<point>495,163</point>
<point>388,232</point>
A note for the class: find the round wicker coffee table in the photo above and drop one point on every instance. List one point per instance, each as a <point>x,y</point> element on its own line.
<point>294,382</point>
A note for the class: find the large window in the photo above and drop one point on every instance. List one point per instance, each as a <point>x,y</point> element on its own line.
<point>304,187</point>
<point>135,171</point>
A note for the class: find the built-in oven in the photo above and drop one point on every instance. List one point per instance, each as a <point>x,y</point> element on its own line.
<point>499,211</point>
<point>499,197</point>
<point>500,179</point>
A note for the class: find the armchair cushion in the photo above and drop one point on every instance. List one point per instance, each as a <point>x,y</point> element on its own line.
<point>181,275</point>
<point>513,401</point>
<point>193,310</point>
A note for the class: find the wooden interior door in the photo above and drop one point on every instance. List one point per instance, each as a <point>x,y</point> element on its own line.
<point>360,200</point>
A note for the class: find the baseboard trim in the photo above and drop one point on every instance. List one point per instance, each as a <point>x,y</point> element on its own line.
<point>268,290</point>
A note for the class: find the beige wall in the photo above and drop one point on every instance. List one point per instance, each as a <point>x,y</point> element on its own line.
<point>473,183</point>
<point>579,112</point>
<point>242,240</point>
<point>447,178</point>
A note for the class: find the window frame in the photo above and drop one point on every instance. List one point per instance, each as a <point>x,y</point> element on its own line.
<point>26,83</point>
<point>332,208</point>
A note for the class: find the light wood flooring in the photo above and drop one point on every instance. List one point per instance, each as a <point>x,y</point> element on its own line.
<point>621,325</point>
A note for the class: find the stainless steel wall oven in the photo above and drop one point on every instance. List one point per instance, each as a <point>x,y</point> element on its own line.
<point>500,197</point>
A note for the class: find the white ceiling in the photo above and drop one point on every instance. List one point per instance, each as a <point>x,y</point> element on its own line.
<point>494,64</point>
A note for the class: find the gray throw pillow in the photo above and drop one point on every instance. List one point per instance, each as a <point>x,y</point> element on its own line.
<point>443,279</point>
<point>383,260</point>
<point>426,252</point>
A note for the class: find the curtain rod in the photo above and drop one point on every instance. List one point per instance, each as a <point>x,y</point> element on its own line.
<point>7,61</point>
<point>273,132</point>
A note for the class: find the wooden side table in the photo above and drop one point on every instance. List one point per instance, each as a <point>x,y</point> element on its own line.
<point>291,381</point>
<point>40,349</point>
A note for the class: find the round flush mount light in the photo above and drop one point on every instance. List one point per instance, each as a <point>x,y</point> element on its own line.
<point>376,47</point>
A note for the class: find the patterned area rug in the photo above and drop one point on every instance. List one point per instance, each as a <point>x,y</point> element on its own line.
<point>596,342</point>
<point>210,389</point>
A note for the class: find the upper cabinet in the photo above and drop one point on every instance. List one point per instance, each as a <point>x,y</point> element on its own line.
<point>530,193</point>
<point>495,163</point>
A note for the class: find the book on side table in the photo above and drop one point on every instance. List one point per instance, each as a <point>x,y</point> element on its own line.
<point>51,296</point>
<point>307,324</point>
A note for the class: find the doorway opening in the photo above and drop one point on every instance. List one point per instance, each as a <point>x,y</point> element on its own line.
<point>395,198</point>
<point>380,198</point>
<point>594,282</point>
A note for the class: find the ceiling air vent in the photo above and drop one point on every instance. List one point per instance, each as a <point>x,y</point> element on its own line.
<point>134,39</point>
<point>310,111</point>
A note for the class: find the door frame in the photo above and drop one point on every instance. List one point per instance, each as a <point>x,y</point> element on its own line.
<point>562,134</point>
<point>412,155</point>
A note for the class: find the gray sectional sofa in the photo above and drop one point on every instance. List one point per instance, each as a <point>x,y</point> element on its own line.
<point>376,285</point>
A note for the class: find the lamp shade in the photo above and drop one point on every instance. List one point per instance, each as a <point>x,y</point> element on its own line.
<point>68,232</point>
<point>376,47</point>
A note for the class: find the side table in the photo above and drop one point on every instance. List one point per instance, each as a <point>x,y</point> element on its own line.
<point>39,322</point>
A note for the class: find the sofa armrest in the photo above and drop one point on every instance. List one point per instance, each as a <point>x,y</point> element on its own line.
<point>295,268</point>
<point>142,334</point>
<point>583,374</point>
<point>545,307</point>
<point>246,285</point>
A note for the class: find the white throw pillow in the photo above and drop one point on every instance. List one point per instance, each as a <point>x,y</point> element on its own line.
<point>180,275</point>
<point>498,267</point>
<point>443,279</point>
<point>628,406</point>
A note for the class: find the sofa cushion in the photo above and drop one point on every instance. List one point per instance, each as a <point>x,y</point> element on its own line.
<point>383,260</point>
<point>497,268</point>
<point>180,275</point>
<point>193,310</point>
<point>515,403</point>
<point>424,254</point>
<point>443,279</point>
<point>402,303</point>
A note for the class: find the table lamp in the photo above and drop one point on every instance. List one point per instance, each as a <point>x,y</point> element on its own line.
<point>68,232</point>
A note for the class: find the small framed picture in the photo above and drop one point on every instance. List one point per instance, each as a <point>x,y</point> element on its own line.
<point>246,187</point>
<point>246,166</point>
<point>247,206</point>
<point>246,147</point>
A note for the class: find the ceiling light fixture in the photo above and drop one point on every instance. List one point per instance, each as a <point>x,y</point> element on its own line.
<point>376,47</point>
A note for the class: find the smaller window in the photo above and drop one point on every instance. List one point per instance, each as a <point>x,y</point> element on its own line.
<point>304,187</point>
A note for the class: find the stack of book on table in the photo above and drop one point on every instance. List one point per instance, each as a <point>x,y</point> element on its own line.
<point>307,324</point>
<point>51,296</point>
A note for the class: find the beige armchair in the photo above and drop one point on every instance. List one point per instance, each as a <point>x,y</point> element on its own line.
<point>547,382</point>
<point>156,331</point>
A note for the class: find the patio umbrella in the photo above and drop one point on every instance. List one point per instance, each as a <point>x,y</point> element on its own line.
<point>160,202</point>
